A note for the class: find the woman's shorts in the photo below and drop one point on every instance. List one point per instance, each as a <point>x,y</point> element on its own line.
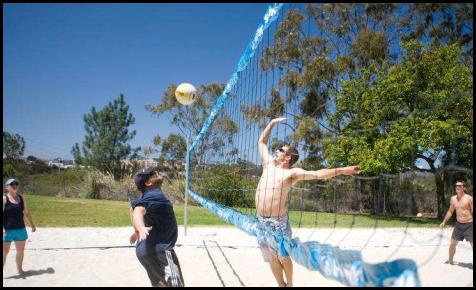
<point>16,235</point>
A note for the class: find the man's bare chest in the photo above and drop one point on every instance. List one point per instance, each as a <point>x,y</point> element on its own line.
<point>462,204</point>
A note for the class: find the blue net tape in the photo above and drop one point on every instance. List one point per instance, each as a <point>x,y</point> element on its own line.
<point>345,266</point>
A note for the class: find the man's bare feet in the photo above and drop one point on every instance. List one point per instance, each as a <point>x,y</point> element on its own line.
<point>449,262</point>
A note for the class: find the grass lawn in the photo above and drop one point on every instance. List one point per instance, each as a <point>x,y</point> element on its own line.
<point>70,212</point>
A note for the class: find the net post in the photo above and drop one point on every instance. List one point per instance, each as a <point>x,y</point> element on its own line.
<point>187,172</point>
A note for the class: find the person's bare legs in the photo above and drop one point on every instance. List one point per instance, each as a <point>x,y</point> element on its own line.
<point>452,251</point>
<point>277,269</point>
<point>6,249</point>
<point>20,247</point>
<point>288,270</point>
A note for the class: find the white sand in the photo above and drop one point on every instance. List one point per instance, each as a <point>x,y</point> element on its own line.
<point>74,257</point>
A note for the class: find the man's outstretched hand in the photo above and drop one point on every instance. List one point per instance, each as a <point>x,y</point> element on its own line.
<point>351,170</point>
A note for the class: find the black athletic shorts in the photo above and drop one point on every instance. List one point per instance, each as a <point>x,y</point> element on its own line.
<point>163,267</point>
<point>463,232</point>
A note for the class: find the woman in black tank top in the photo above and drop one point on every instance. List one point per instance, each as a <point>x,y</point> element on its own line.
<point>15,210</point>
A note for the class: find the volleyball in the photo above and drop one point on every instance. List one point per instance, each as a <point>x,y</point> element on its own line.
<point>185,94</point>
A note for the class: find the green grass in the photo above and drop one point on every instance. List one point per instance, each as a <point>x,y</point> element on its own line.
<point>50,211</point>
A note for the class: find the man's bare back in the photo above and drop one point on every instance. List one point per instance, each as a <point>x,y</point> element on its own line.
<point>463,207</point>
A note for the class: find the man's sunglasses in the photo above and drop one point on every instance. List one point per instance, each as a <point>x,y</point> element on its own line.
<point>459,185</point>
<point>282,150</point>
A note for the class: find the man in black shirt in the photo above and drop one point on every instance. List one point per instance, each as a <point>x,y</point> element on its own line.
<point>156,231</point>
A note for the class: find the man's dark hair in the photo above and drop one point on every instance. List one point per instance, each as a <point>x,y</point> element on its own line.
<point>294,155</point>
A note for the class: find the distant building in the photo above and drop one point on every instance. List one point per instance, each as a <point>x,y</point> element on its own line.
<point>142,162</point>
<point>149,162</point>
<point>61,163</point>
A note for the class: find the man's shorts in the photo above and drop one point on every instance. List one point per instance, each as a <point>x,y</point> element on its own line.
<point>163,267</point>
<point>17,235</point>
<point>463,232</point>
<point>278,224</point>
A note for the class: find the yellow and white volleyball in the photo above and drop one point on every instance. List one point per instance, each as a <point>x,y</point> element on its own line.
<point>419,214</point>
<point>185,94</point>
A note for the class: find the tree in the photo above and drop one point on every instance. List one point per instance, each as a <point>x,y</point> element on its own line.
<point>37,165</point>
<point>148,150</point>
<point>152,149</point>
<point>442,23</point>
<point>13,146</point>
<point>157,140</point>
<point>8,170</point>
<point>419,109</point>
<point>174,149</point>
<point>107,139</point>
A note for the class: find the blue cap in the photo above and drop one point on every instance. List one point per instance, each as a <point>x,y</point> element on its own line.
<point>12,181</point>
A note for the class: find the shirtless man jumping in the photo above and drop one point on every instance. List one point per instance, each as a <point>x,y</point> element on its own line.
<point>272,192</point>
<point>463,203</point>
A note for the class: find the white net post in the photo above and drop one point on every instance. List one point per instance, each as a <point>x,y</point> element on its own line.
<point>187,172</point>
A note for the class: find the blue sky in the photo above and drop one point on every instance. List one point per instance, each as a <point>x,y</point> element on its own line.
<point>59,60</point>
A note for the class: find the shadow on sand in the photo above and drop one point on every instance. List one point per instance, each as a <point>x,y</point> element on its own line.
<point>464,265</point>
<point>31,273</point>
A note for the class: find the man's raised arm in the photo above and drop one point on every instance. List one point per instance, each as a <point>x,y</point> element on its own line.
<point>263,141</point>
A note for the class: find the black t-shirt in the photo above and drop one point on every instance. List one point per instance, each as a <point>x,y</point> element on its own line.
<point>161,217</point>
<point>13,214</point>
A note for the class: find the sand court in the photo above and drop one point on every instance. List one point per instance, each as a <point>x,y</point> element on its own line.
<point>224,257</point>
